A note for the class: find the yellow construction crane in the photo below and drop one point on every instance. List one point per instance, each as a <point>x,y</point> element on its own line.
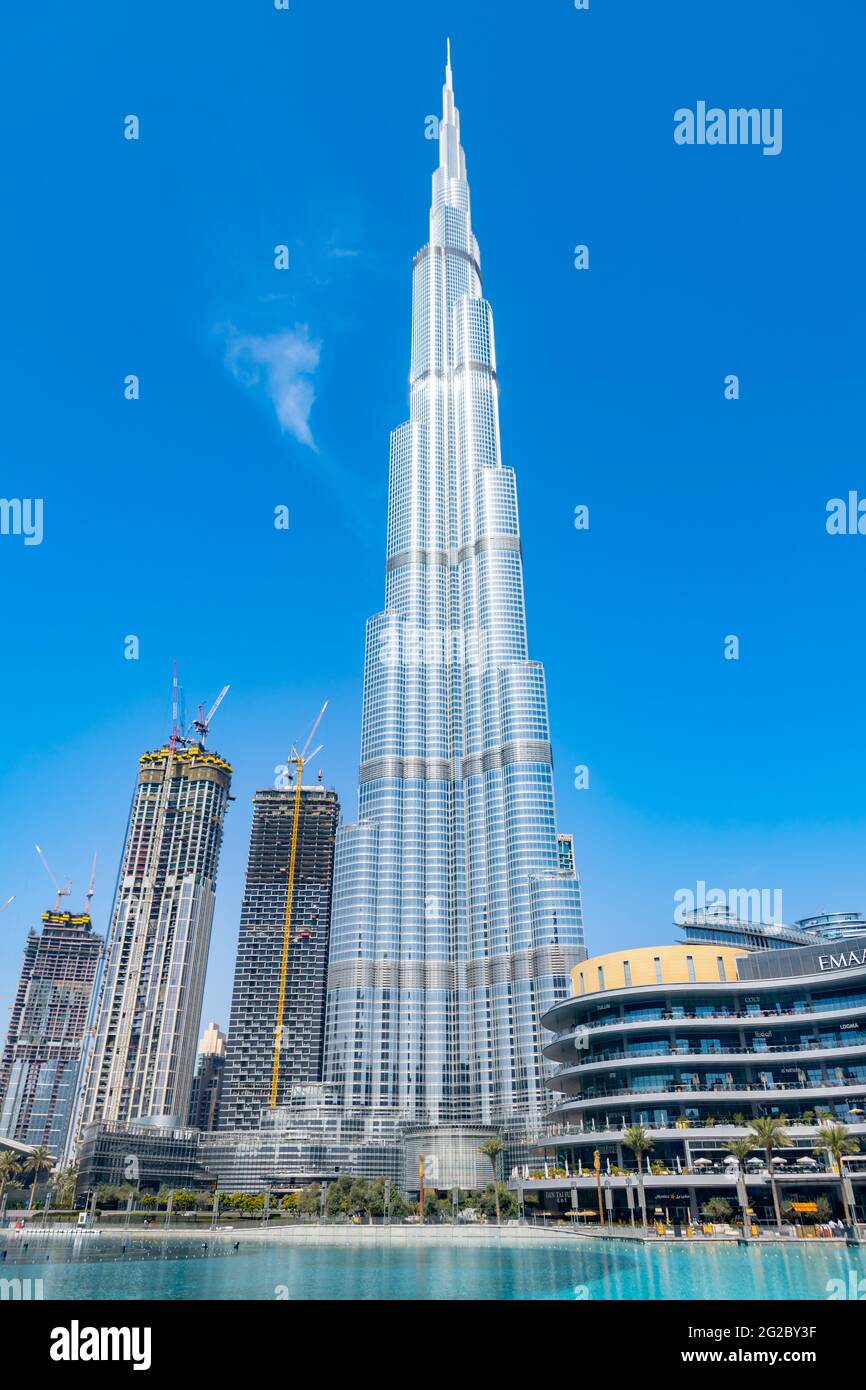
<point>298,759</point>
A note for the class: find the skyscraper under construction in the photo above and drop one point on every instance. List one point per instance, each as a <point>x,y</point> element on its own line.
<point>142,1060</point>
<point>43,1049</point>
<point>254,1013</point>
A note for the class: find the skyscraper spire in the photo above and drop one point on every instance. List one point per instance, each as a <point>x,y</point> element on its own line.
<point>451,158</point>
<point>455,919</point>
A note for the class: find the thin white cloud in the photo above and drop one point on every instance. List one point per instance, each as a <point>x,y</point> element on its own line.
<point>283,363</point>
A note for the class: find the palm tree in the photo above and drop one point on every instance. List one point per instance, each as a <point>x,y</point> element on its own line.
<point>64,1186</point>
<point>492,1148</point>
<point>771,1133</point>
<point>9,1169</point>
<point>835,1139</point>
<point>638,1140</point>
<point>741,1148</point>
<point>37,1160</point>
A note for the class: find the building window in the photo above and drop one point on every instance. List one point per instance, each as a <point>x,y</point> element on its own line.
<point>582,982</point>
<point>601,977</point>
<point>626,971</point>
<point>721,962</point>
<point>690,964</point>
<point>657,962</point>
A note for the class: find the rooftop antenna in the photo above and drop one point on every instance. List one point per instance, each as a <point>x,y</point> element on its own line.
<point>298,759</point>
<point>61,892</point>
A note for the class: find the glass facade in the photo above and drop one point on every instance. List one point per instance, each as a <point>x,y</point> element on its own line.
<point>693,1063</point>
<point>142,1060</point>
<point>834,926</point>
<point>711,1055</point>
<point>456,914</point>
<point>255,997</point>
<point>42,1054</point>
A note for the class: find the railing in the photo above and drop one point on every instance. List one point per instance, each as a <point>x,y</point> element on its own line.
<point>669,1016</point>
<point>677,1127</point>
<point>817,1047</point>
<point>763,1230</point>
<point>718,1088</point>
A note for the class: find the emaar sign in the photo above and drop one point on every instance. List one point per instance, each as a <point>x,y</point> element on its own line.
<point>846,960</point>
<point>796,961</point>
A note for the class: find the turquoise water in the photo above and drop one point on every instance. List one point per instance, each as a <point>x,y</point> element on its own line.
<point>93,1268</point>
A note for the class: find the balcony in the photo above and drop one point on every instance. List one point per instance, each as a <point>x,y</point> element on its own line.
<point>779,1051</point>
<point>670,1018</point>
<point>746,1090</point>
<point>560,1135</point>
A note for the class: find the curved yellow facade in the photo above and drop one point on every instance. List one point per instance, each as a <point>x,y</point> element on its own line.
<point>656,965</point>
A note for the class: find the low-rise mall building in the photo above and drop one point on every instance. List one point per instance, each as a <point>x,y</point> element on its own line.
<point>692,1042</point>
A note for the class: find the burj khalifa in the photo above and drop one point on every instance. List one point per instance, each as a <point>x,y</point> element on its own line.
<point>457,909</point>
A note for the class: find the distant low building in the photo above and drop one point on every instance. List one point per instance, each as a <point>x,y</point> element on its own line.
<point>834,926</point>
<point>207,1082</point>
<point>723,927</point>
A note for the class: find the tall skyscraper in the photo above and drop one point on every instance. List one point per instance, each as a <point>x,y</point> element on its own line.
<point>41,1058</point>
<point>457,913</point>
<point>249,1066</point>
<point>141,1064</point>
<point>208,1080</point>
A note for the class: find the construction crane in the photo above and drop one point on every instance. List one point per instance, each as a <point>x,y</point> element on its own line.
<point>298,759</point>
<point>176,709</point>
<point>90,887</point>
<point>202,724</point>
<point>7,903</point>
<point>61,892</point>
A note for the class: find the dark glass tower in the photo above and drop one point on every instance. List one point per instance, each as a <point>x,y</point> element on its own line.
<point>207,1083</point>
<point>41,1058</point>
<point>247,1080</point>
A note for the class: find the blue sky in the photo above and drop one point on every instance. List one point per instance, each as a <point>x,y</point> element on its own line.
<point>261,387</point>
